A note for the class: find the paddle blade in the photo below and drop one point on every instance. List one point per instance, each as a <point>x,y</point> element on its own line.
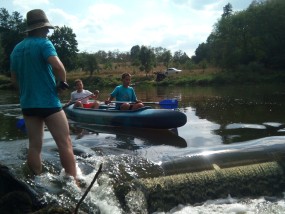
<point>21,125</point>
<point>169,104</point>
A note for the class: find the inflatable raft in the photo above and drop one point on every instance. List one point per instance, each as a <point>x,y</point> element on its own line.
<point>141,118</point>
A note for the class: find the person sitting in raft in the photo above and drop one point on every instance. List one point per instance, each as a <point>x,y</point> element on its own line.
<point>125,95</point>
<point>80,93</point>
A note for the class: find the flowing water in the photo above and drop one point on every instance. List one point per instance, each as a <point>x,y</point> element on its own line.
<point>217,117</point>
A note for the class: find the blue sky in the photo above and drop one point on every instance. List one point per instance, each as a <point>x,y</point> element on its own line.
<point>111,25</point>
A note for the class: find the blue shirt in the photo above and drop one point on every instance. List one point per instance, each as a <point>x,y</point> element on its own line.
<point>34,75</point>
<point>122,93</point>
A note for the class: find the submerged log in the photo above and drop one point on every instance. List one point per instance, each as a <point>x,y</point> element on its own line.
<point>164,193</point>
<point>240,170</point>
<point>224,156</point>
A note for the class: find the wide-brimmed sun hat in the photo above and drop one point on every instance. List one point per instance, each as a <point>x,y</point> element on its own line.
<point>37,19</point>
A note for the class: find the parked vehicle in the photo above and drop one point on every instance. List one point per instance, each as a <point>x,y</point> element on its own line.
<point>171,71</point>
<point>159,76</point>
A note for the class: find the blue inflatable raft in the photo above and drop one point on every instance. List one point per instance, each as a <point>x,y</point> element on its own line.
<point>145,117</point>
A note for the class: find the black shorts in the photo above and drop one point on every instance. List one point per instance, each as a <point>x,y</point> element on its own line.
<point>40,112</point>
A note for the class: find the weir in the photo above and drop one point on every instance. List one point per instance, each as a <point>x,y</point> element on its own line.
<point>164,193</point>
<point>256,169</point>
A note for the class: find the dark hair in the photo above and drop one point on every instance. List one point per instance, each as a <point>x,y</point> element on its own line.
<point>125,75</point>
<point>77,80</point>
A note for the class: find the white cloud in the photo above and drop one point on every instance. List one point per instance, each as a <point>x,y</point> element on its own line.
<point>104,11</point>
<point>118,25</point>
<point>26,5</point>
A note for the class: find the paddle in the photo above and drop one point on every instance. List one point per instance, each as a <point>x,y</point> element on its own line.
<point>167,104</point>
<point>71,103</point>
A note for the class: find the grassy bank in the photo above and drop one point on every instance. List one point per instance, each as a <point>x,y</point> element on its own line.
<point>186,78</point>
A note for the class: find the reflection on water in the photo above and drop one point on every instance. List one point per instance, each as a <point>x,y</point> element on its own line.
<point>148,136</point>
<point>260,106</point>
<point>198,132</point>
<point>221,117</point>
<point>243,132</point>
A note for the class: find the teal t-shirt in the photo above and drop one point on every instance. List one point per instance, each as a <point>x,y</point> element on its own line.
<point>122,93</point>
<point>35,77</point>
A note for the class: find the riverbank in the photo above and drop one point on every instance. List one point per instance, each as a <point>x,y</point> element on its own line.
<point>197,77</point>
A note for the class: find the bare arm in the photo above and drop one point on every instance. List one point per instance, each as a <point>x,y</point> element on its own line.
<point>109,100</point>
<point>58,68</point>
<point>95,94</point>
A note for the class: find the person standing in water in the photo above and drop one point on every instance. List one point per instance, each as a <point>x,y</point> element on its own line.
<point>35,68</point>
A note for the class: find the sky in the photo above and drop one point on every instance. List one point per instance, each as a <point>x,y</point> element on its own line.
<point>118,25</point>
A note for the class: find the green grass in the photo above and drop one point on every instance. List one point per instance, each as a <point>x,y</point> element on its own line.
<point>186,78</point>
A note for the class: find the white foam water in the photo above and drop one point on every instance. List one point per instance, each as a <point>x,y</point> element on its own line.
<point>262,205</point>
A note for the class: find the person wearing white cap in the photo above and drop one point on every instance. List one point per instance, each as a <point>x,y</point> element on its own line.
<point>35,69</point>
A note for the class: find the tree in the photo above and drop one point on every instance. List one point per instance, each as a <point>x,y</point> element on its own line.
<point>11,28</point>
<point>101,56</point>
<point>159,51</point>
<point>147,58</point>
<point>180,58</point>
<point>135,55</point>
<point>253,36</point>
<point>124,57</point>
<point>65,43</point>
<point>228,10</point>
<point>88,62</point>
<point>166,58</point>
<point>201,53</point>
<point>91,63</point>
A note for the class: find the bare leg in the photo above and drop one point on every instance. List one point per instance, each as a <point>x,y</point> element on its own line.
<point>78,104</point>
<point>137,106</point>
<point>35,130</point>
<point>125,106</point>
<point>95,105</point>
<point>58,126</point>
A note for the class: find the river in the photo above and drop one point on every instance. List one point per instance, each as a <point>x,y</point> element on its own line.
<point>224,117</point>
